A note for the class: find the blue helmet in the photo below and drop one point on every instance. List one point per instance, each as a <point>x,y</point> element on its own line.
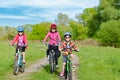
<point>67,34</point>
<point>20,28</point>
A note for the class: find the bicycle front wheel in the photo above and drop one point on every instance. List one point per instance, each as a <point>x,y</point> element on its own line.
<point>69,72</point>
<point>52,67</point>
<point>16,66</point>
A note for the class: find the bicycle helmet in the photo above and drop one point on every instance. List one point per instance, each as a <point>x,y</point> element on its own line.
<point>53,26</point>
<point>67,34</point>
<point>20,28</point>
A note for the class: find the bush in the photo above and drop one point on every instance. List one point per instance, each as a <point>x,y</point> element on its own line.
<point>79,31</point>
<point>109,33</point>
<point>62,29</point>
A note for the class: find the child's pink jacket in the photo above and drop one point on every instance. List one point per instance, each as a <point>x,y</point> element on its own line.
<point>54,38</point>
<point>17,37</point>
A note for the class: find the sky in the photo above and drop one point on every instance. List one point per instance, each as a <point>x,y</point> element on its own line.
<point>20,12</point>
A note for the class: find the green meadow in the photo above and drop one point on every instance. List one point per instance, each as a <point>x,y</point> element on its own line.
<point>96,63</point>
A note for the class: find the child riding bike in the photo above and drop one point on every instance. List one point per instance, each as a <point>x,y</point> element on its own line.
<point>54,37</point>
<point>67,46</point>
<point>21,40</point>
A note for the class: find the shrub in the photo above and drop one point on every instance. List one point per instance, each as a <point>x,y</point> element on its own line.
<point>109,33</point>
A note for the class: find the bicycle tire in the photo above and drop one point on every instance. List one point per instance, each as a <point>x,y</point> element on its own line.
<point>22,68</point>
<point>69,73</point>
<point>51,61</point>
<point>65,72</point>
<point>16,67</point>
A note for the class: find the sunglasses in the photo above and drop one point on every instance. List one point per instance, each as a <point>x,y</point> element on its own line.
<point>20,31</point>
<point>67,37</point>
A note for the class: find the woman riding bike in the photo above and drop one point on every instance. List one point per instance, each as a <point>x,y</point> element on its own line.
<point>54,37</point>
<point>66,47</point>
<point>21,40</point>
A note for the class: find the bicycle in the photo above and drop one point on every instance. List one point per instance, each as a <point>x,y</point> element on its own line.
<point>68,68</point>
<point>52,59</point>
<point>18,62</point>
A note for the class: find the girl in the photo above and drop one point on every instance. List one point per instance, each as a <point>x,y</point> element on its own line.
<point>54,37</point>
<point>21,40</point>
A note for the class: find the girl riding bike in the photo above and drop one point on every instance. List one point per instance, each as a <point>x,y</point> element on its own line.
<point>66,47</point>
<point>21,40</point>
<point>54,37</point>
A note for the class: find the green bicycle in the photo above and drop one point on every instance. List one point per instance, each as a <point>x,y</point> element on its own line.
<point>68,68</point>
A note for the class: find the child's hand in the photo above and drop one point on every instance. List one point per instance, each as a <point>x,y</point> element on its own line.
<point>78,50</point>
<point>11,44</point>
<point>60,49</point>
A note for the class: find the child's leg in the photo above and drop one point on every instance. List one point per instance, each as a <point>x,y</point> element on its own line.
<point>72,58</point>
<point>63,65</point>
<point>47,52</point>
<point>23,53</point>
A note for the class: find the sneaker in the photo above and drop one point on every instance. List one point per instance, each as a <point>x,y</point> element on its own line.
<point>62,74</point>
<point>73,66</point>
<point>56,66</point>
<point>23,61</point>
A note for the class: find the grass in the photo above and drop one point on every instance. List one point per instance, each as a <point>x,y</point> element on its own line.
<point>96,63</point>
<point>99,63</point>
<point>34,52</point>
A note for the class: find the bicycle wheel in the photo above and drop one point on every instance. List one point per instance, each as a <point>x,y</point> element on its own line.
<point>69,73</point>
<point>65,72</point>
<point>51,61</point>
<point>22,66</point>
<point>16,66</point>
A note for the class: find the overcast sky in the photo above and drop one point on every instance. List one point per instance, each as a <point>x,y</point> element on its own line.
<point>14,12</point>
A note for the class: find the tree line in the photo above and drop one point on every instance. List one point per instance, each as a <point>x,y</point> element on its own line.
<point>101,22</point>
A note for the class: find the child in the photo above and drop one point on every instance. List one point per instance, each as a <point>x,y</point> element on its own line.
<point>66,47</point>
<point>21,40</point>
<point>54,37</point>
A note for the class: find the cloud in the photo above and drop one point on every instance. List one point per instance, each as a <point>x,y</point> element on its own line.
<point>13,17</point>
<point>49,3</point>
<point>30,11</point>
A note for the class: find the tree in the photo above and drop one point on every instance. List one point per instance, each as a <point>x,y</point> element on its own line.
<point>79,31</point>
<point>62,19</point>
<point>91,19</point>
<point>39,31</point>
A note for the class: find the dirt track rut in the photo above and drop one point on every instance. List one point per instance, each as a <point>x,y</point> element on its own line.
<point>37,66</point>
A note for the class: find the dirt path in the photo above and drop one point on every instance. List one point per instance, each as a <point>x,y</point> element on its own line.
<point>37,66</point>
<point>32,68</point>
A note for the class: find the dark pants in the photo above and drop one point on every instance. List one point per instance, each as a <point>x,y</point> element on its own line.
<point>57,52</point>
<point>22,49</point>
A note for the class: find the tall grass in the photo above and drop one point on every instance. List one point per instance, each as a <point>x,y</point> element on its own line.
<point>34,52</point>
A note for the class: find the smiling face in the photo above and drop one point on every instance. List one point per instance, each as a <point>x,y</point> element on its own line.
<point>67,38</point>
